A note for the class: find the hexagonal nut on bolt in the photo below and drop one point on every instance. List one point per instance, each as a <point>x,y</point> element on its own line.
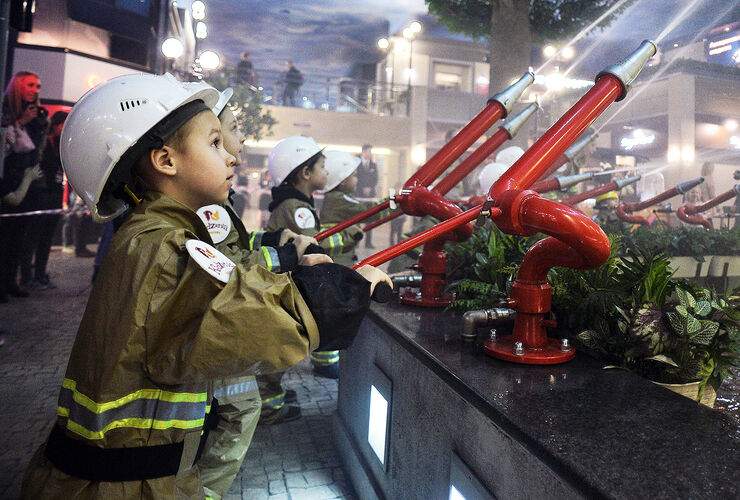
<point>519,349</point>
<point>565,345</point>
<point>492,336</point>
<point>418,295</point>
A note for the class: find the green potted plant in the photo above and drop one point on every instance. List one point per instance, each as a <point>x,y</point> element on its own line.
<point>630,312</point>
<point>670,331</point>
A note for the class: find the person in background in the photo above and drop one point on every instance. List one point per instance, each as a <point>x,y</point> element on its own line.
<point>48,196</point>
<point>367,181</point>
<point>26,125</point>
<point>245,74</point>
<point>292,81</point>
<point>10,198</point>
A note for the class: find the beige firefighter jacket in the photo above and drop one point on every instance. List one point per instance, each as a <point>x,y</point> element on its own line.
<point>339,207</point>
<point>239,402</point>
<point>302,218</point>
<point>156,328</point>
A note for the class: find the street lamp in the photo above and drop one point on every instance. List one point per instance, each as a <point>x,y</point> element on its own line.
<point>201,30</point>
<point>172,48</point>
<point>409,33</point>
<point>209,60</point>
<point>198,9</point>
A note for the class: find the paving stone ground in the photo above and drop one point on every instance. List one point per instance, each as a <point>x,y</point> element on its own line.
<point>290,461</point>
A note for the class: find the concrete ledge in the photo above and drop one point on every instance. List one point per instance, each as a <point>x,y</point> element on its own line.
<point>563,431</point>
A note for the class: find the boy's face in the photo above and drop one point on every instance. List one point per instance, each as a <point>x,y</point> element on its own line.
<point>233,137</point>
<point>205,168</point>
<point>318,175</point>
<point>349,184</point>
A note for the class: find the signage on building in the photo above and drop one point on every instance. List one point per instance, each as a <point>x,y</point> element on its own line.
<point>724,49</point>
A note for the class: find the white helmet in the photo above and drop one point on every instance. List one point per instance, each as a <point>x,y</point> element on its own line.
<point>289,154</point>
<point>112,125</point>
<point>509,155</point>
<point>490,174</point>
<point>223,98</point>
<point>339,165</point>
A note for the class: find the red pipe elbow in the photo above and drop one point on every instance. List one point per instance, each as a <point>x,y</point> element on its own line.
<point>683,214</point>
<point>422,201</point>
<point>577,241</point>
<point>621,211</point>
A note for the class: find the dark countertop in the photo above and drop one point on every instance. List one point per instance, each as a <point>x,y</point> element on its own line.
<point>608,432</point>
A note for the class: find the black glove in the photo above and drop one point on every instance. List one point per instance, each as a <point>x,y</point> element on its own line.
<point>313,248</point>
<point>338,298</point>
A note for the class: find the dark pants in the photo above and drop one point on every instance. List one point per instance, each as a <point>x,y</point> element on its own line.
<point>12,234</point>
<point>72,230</point>
<point>37,246</point>
<point>289,95</point>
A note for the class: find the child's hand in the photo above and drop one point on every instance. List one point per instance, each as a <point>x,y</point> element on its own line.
<point>314,258</point>
<point>374,276</point>
<point>301,242</point>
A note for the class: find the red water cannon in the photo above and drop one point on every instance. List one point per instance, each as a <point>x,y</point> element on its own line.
<point>614,185</point>
<point>560,182</point>
<point>624,210</point>
<point>505,132</point>
<point>687,213</point>
<point>575,241</point>
<point>570,153</point>
<point>498,107</point>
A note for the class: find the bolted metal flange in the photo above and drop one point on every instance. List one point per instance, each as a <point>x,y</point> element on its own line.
<point>492,336</point>
<point>519,349</point>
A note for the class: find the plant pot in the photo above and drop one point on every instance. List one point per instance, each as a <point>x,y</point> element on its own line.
<point>691,390</point>
<point>724,272</point>
<point>689,267</point>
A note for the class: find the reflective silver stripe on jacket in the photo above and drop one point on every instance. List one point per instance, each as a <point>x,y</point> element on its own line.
<point>235,389</point>
<point>138,412</point>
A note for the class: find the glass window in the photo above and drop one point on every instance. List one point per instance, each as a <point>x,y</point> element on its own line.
<point>451,77</point>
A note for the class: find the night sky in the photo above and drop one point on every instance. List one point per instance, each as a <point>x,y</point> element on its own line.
<point>325,37</point>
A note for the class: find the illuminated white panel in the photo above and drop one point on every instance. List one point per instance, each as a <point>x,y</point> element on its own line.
<point>377,423</point>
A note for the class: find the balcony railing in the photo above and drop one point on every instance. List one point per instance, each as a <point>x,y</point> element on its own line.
<point>329,93</point>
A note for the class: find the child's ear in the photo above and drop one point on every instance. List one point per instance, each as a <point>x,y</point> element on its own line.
<point>162,161</point>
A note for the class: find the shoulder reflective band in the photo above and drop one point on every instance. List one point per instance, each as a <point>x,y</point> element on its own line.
<point>144,409</point>
<point>325,358</point>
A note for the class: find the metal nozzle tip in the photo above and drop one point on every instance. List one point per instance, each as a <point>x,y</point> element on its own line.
<point>627,70</point>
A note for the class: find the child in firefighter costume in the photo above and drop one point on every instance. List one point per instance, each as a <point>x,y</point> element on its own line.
<point>236,400</point>
<point>168,312</point>
<point>339,205</point>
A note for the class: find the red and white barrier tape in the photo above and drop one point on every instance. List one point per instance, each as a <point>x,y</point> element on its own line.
<point>37,212</point>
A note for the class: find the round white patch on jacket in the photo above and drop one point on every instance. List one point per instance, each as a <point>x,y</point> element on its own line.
<point>217,221</point>
<point>304,218</point>
<point>211,260</point>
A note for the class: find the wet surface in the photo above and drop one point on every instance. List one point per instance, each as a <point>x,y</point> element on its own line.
<point>608,431</point>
